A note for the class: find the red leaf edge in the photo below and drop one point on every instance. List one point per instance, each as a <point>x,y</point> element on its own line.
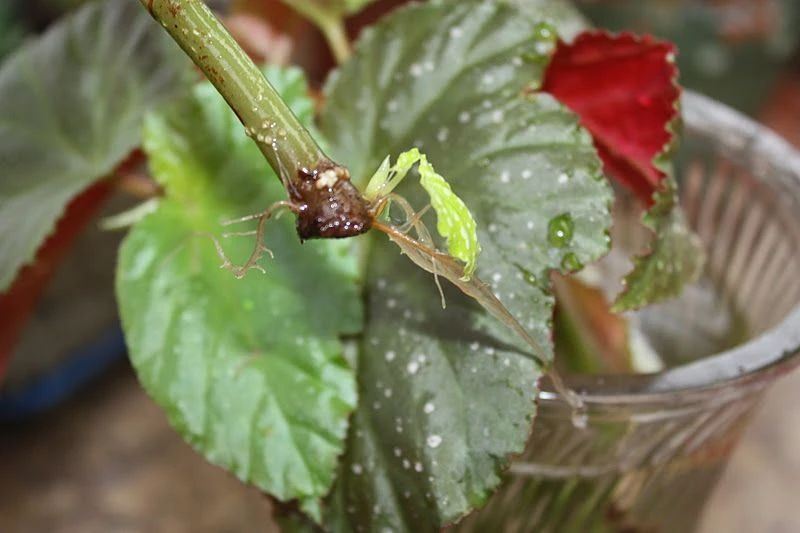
<point>19,300</point>
<point>624,89</point>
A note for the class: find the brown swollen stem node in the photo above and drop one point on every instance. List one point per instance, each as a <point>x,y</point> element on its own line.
<point>329,205</point>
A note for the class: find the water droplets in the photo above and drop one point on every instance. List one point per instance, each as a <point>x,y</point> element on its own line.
<point>442,135</point>
<point>390,355</point>
<point>428,408</point>
<point>543,47</point>
<point>412,367</point>
<point>545,36</point>
<point>357,469</point>
<point>433,441</point>
<point>418,69</point>
<point>464,117</point>
<point>571,263</point>
<point>560,230</point>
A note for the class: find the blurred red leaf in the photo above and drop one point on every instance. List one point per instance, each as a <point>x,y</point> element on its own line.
<point>19,300</point>
<point>624,89</point>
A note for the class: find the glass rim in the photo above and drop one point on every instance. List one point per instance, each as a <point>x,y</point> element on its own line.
<point>755,361</point>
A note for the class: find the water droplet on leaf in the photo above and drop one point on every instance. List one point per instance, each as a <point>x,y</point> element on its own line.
<point>571,263</point>
<point>560,230</point>
<point>434,441</point>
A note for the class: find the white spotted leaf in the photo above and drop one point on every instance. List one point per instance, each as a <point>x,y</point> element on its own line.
<point>455,79</point>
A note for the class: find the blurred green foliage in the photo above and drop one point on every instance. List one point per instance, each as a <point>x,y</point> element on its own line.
<point>12,28</point>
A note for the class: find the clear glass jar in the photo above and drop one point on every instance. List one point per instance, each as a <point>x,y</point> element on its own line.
<point>651,447</point>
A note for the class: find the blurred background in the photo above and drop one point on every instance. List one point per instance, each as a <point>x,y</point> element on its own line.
<point>83,449</point>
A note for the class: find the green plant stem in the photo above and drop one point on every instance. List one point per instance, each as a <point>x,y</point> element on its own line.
<point>286,144</point>
<point>329,22</point>
<point>337,39</point>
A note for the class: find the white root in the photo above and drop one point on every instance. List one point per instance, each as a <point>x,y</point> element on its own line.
<point>259,249</point>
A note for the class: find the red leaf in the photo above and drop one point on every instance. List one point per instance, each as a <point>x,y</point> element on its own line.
<point>19,300</point>
<point>624,89</point>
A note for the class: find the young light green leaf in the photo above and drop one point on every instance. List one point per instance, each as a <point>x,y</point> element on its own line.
<point>454,221</point>
<point>379,181</point>
<point>447,395</point>
<point>251,371</point>
<point>71,105</point>
<point>386,179</point>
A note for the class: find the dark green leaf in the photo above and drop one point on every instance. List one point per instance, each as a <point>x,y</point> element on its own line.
<point>71,104</point>
<point>250,371</point>
<point>675,257</point>
<point>561,14</point>
<point>447,395</point>
<point>12,28</point>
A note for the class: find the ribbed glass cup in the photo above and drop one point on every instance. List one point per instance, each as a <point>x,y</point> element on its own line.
<point>651,447</point>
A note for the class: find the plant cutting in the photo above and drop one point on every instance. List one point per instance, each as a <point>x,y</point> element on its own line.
<point>370,359</point>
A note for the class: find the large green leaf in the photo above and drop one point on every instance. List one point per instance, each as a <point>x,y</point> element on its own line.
<point>250,371</point>
<point>560,13</point>
<point>71,104</point>
<point>447,395</point>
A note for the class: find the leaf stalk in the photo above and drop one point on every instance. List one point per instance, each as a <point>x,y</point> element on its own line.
<point>285,143</point>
